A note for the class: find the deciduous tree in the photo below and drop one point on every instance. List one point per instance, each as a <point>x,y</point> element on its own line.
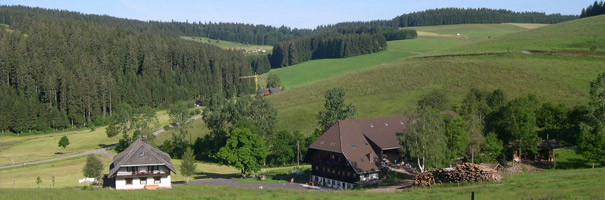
<point>423,139</point>
<point>63,142</point>
<point>243,150</point>
<point>188,164</point>
<point>93,168</point>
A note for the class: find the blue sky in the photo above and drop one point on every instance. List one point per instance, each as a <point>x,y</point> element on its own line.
<point>298,14</point>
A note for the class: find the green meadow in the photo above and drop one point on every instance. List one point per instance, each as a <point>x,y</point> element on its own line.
<point>228,44</point>
<point>549,184</point>
<point>394,87</point>
<point>571,36</point>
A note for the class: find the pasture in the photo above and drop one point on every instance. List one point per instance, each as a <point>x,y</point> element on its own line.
<point>315,70</point>
<point>228,44</point>
<point>550,184</point>
<point>571,36</point>
<point>393,88</point>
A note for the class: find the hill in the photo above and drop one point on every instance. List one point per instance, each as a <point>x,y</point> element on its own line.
<point>572,36</point>
<point>393,87</point>
<point>228,44</point>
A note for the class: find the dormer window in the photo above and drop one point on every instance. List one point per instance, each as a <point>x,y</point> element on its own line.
<point>371,125</point>
<point>386,124</point>
<point>401,122</point>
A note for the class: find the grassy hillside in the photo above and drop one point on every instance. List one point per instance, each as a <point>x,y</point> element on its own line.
<point>20,149</point>
<point>571,36</point>
<point>228,44</point>
<point>551,184</point>
<point>473,32</point>
<point>431,38</point>
<point>315,70</point>
<point>391,88</point>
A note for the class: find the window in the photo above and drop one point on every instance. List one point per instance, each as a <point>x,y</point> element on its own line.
<point>132,169</point>
<point>129,181</point>
<point>143,181</point>
<point>157,180</point>
<point>151,168</point>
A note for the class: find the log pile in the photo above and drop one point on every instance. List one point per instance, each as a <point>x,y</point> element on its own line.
<point>466,172</point>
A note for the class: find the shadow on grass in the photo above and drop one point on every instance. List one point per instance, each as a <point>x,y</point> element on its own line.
<point>58,153</point>
<point>206,175</point>
<point>572,163</point>
<point>107,145</point>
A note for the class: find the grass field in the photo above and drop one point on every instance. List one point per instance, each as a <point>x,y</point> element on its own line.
<point>394,87</point>
<point>66,173</point>
<point>472,32</point>
<point>315,70</point>
<point>228,44</point>
<point>431,38</point>
<point>550,184</point>
<point>20,149</point>
<point>197,128</point>
<point>571,36</point>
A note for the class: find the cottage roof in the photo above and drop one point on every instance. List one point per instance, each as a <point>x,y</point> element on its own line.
<point>547,144</point>
<point>139,153</point>
<point>352,138</point>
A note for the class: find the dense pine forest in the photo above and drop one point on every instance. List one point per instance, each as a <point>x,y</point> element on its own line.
<point>57,73</point>
<point>328,45</point>
<point>447,16</point>
<point>593,10</point>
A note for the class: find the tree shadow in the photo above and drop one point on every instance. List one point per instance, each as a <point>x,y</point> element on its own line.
<point>58,153</point>
<point>107,145</point>
<point>207,175</point>
<point>572,163</point>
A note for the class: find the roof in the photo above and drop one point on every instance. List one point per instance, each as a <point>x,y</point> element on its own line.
<point>352,139</point>
<point>547,144</point>
<point>139,153</point>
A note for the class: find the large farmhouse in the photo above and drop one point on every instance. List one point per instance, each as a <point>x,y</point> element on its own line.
<point>351,151</point>
<point>140,166</point>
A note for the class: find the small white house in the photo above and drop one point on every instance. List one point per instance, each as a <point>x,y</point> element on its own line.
<point>140,166</point>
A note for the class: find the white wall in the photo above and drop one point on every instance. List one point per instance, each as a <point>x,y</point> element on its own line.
<point>136,181</point>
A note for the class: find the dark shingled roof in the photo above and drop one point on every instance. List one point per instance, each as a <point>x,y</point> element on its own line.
<point>548,144</point>
<point>350,137</point>
<point>140,153</point>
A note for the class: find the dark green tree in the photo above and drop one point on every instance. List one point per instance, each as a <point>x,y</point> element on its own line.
<point>436,99</point>
<point>179,113</point>
<point>93,168</point>
<point>243,150</point>
<point>591,140</point>
<point>188,164</point>
<point>63,142</point>
<point>457,137</point>
<point>492,148</point>
<point>519,123</point>
<point>423,139</point>
<point>335,109</point>
<point>282,152</point>
<point>273,81</point>
<point>38,181</point>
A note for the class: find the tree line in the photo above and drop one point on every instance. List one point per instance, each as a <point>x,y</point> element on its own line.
<point>492,128</point>
<point>269,35</point>
<point>325,45</point>
<point>597,8</point>
<point>57,73</point>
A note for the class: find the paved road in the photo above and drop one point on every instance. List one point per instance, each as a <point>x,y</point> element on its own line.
<point>96,151</point>
<point>234,182</point>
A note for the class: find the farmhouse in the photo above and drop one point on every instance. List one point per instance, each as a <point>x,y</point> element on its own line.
<point>140,166</point>
<point>351,151</point>
<point>268,91</point>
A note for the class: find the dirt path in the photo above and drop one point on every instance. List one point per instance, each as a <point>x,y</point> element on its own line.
<point>234,182</point>
<point>157,132</point>
<point>96,151</point>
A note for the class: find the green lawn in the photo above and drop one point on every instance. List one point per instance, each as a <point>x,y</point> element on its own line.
<point>550,184</point>
<point>66,173</point>
<point>394,87</point>
<point>197,128</point>
<point>315,70</point>
<point>20,149</point>
<point>472,32</point>
<point>571,36</point>
<point>228,44</point>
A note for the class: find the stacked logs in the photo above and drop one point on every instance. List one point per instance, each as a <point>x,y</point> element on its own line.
<point>461,173</point>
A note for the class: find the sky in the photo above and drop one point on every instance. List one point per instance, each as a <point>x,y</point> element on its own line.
<point>296,14</point>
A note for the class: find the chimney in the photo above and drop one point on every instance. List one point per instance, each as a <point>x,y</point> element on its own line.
<point>144,139</point>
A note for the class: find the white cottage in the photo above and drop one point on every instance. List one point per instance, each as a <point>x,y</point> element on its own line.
<point>140,166</point>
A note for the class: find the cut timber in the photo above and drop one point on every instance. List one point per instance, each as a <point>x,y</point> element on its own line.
<point>466,172</point>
